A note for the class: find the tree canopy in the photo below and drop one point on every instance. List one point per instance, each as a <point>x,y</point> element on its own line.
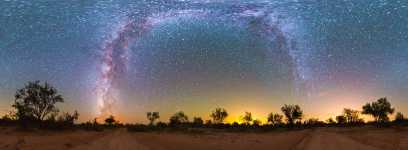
<point>275,119</point>
<point>293,113</point>
<point>379,109</point>
<point>110,120</point>
<point>351,116</point>
<point>198,121</point>
<point>36,101</point>
<point>152,116</point>
<point>399,117</point>
<point>178,118</point>
<point>218,115</point>
<point>247,118</point>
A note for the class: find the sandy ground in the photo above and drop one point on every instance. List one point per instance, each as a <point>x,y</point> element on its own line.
<point>120,139</point>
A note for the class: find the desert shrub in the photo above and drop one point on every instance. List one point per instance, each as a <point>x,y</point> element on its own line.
<point>179,119</point>
<point>235,124</point>
<point>8,119</point>
<point>399,118</point>
<point>330,121</point>
<point>256,123</point>
<point>341,120</point>
<point>161,125</point>
<point>198,122</point>
<point>208,123</point>
<point>220,126</point>
<point>111,121</point>
<point>139,128</point>
<point>313,122</point>
<point>68,119</point>
<point>91,125</point>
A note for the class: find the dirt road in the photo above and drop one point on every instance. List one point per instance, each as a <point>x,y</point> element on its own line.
<point>290,140</point>
<point>311,139</point>
<point>321,140</point>
<point>318,139</point>
<point>118,140</point>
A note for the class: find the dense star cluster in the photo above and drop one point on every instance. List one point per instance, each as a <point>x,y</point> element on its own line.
<point>128,57</point>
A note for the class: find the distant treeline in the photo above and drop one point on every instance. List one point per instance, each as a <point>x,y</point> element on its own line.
<point>35,107</point>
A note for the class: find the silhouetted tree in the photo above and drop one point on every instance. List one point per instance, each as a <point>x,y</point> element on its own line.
<point>399,117</point>
<point>161,124</point>
<point>313,122</point>
<point>95,121</point>
<point>352,116</point>
<point>330,121</point>
<point>68,118</point>
<point>218,115</point>
<point>379,110</point>
<point>198,122</point>
<point>8,118</point>
<point>275,119</point>
<point>36,101</point>
<point>208,123</point>
<point>110,120</point>
<point>256,122</point>
<point>178,118</point>
<point>235,124</point>
<point>51,118</point>
<point>293,113</point>
<point>152,116</point>
<point>247,118</point>
<point>341,119</point>
<point>92,125</point>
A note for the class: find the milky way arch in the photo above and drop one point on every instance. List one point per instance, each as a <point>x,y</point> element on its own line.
<point>271,25</point>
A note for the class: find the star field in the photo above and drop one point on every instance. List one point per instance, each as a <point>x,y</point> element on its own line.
<point>129,57</point>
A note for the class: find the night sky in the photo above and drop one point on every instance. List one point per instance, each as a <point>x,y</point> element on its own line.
<point>127,57</point>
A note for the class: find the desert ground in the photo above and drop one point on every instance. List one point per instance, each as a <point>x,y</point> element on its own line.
<point>120,139</point>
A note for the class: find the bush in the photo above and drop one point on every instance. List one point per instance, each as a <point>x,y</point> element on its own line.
<point>179,119</point>
<point>91,126</point>
<point>139,128</point>
<point>198,122</point>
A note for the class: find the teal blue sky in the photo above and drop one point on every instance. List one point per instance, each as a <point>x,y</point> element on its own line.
<point>128,57</point>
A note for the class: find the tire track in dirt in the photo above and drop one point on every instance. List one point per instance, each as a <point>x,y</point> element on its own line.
<point>321,140</point>
<point>303,141</point>
<point>118,140</point>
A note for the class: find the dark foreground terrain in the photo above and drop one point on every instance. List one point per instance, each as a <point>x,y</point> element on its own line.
<point>366,138</point>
